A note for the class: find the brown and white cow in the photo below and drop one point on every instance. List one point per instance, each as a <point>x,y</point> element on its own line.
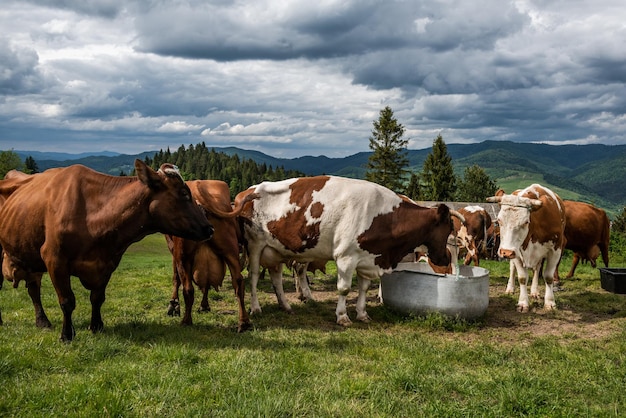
<point>204,262</point>
<point>532,228</point>
<point>587,230</point>
<point>363,226</point>
<point>472,233</point>
<point>74,221</point>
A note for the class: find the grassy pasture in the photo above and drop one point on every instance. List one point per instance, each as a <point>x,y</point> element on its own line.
<point>571,362</point>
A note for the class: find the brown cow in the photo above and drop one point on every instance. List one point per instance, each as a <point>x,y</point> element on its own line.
<point>74,221</point>
<point>587,230</point>
<point>204,263</point>
<point>13,180</point>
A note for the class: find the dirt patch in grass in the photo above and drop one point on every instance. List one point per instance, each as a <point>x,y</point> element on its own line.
<point>581,313</point>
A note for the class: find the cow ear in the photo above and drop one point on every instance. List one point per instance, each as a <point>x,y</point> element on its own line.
<point>500,192</point>
<point>147,176</point>
<point>443,211</point>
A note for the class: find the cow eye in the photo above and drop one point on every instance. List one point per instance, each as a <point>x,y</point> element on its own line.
<point>185,195</point>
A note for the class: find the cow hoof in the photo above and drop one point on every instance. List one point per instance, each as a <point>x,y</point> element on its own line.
<point>344,321</point>
<point>204,310</point>
<point>67,337</point>
<point>243,327</point>
<point>535,296</point>
<point>366,319</point>
<point>550,307</point>
<point>522,308</point>
<point>174,308</point>
<point>43,323</point>
<point>95,328</point>
<point>509,291</point>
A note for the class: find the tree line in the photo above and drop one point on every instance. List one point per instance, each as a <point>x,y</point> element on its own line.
<point>199,162</point>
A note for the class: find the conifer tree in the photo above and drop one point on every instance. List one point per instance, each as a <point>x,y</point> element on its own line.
<point>413,189</point>
<point>476,185</point>
<point>439,180</point>
<point>386,166</point>
<point>30,165</point>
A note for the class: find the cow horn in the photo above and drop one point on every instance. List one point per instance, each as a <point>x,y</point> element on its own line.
<point>494,199</point>
<point>458,215</point>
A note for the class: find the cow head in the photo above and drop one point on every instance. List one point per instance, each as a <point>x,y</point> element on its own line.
<point>442,228</point>
<point>171,206</point>
<point>514,221</point>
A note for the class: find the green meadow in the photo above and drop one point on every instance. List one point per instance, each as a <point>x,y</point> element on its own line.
<point>567,363</point>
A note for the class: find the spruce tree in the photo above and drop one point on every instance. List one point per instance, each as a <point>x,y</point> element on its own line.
<point>30,165</point>
<point>413,189</point>
<point>439,180</point>
<point>476,185</point>
<point>386,166</point>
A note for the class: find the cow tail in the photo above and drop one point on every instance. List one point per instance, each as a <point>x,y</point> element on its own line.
<point>236,209</point>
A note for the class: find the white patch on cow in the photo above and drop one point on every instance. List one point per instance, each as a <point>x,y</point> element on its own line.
<point>514,220</point>
<point>534,188</point>
<point>280,193</point>
<point>473,209</point>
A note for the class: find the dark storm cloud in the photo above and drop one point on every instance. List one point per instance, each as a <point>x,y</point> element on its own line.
<point>308,77</point>
<point>104,8</point>
<point>224,32</point>
<point>18,70</point>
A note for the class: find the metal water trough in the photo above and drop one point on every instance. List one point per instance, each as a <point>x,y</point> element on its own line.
<point>415,288</point>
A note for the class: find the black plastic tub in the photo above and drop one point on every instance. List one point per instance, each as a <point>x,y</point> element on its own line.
<point>613,279</point>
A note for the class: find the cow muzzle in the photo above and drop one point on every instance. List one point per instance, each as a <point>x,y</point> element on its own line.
<point>509,254</point>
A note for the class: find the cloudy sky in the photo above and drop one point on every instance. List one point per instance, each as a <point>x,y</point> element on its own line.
<point>302,77</point>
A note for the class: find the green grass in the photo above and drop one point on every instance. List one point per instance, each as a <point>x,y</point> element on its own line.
<point>571,362</point>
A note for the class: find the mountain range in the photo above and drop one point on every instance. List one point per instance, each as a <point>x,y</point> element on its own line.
<point>593,173</point>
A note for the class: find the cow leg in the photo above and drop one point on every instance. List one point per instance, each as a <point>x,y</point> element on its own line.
<point>255,306</point>
<point>302,283</point>
<point>67,301</point>
<point>523,304</point>
<point>534,287</point>
<point>276,274</point>
<point>361,302</point>
<point>204,303</point>
<point>97,298</point>
<point>239,286</point>
<point>34,291</point>
<point>188,296</point>
<point>344,283</point>
<point>548,276</point>
<point>575,261</point>
<point>173,308</point>
<point>510,286</point>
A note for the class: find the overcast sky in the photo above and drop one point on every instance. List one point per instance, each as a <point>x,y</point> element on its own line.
<point>302,77</point>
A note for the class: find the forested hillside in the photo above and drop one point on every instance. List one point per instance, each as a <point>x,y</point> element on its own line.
<point>199,162</point>
<point>593,173</point>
